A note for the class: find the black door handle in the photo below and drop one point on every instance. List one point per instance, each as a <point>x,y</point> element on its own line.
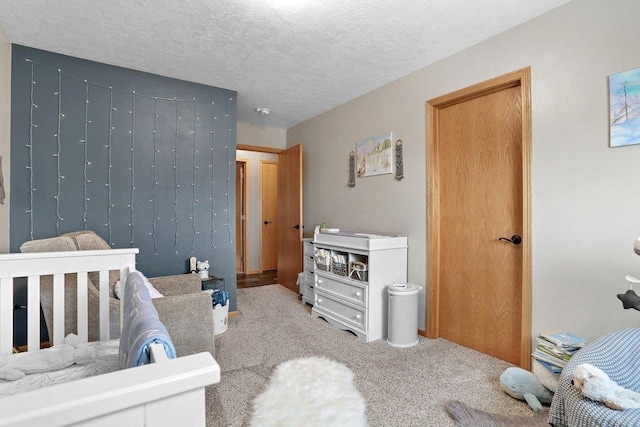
<point>297,226</point>
<point>267,222</point>
<point>515,239</point>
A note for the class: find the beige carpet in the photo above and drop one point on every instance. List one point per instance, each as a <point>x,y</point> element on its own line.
<point>402,387</point>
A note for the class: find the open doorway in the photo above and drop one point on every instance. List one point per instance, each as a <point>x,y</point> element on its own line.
<point>258,192</point>
<point>289,214</point>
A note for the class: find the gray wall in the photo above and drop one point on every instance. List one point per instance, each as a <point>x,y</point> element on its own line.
<point>5,135</point>
<point>586,208</point>
<point>173,197</point>
<point>262,136</point>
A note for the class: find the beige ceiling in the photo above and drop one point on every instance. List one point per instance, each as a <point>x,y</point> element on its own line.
<point>296,58</point>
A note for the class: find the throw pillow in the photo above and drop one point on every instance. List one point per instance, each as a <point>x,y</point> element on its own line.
<point>153,292</point>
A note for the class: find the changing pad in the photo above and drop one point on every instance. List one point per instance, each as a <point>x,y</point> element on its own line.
<point>106,360</point>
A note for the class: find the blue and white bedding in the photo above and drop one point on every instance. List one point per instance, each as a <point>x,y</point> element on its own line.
<point>141,325</point>
<point>618,355</point>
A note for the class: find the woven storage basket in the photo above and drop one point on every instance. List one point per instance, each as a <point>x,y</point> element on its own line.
<point>323,262</point>
<point>339,268</point>
<point>359,271</point>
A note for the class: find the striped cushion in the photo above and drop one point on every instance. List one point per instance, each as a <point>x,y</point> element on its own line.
<point>618,355</point>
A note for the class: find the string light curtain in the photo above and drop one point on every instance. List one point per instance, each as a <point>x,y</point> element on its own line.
<point>118,173</point>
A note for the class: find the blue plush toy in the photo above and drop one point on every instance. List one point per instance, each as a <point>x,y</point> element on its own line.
<point>523,385</point>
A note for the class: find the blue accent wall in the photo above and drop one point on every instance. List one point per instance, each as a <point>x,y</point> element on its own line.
<point>143,160</point>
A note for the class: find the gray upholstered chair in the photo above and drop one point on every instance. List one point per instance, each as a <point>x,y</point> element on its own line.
<point>185,310</point>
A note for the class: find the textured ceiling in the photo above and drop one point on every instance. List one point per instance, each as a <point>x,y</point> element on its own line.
<point>296,58</point>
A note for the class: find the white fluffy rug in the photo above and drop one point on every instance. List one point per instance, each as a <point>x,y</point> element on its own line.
<point>312,391</point>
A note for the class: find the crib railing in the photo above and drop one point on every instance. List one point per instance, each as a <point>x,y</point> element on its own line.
<point>33,266</point>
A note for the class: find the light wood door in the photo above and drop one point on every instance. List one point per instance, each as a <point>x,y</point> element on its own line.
<point>478,157</point>
<point>241,216</point>
<point>269,220</point>
<point>290,217</point>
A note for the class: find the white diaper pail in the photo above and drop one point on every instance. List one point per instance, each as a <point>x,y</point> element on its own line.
<point>403,314</point>
<point>220,318</point>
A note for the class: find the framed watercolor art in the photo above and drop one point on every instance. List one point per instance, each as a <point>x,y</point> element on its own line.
<point>624,108</point>
<point>374,155</point>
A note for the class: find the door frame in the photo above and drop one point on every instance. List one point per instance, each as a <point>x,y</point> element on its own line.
<point>262,163</point>
<point>519,78</point>
<point>241,202</point>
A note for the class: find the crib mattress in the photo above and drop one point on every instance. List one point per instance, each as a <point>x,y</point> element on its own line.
<point>106,360</point>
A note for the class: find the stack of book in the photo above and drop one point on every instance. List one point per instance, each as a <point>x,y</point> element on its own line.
<point>555,349</point>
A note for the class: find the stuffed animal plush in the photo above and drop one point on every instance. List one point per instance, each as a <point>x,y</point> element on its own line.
<point>203,269</point>
<point>524,385</point>
<point>593,383</point>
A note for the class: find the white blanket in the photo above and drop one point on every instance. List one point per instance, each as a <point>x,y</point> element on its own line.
<point>89,359</point>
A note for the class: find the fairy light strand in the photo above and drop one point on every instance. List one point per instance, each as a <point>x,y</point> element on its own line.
<point>228,148</point>
<point>109,153</point>
<point>193,180</point>
<point>57,154</point>
<point>86,158</point>
<point>30,146</point>
<point>175,174</point>
<point>213,175</point>
<point>133,163</point>
<point>155,176</point>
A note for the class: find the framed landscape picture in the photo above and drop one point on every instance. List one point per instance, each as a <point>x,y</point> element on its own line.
<point>624,108</point>
<point>374,155</point>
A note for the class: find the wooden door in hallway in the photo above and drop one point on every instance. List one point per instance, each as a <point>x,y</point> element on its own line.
<point>290,217</point>
<point>241,215</point>
<point>479,287</point>
<point>269,220</point>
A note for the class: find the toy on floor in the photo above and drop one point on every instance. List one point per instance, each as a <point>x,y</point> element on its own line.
<point>524,385</point>
<point>595,384</point>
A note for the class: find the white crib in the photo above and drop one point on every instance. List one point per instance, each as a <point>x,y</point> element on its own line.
<point>167,392</point>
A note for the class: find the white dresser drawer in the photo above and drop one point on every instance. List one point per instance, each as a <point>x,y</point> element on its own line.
<point>307,293</point>
<point>349,314</point>
<point>308,249</point>
<point>308,278</point>
<point>309,263</point>
<point>355,293</point>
